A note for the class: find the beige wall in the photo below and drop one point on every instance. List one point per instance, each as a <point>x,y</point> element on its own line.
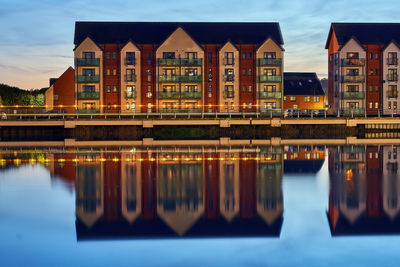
<point>89,46</point>
<point>229,47</point>
<point>48,98</point>
<point>390,48</point>
<point>270,46</point>
<point>130,47</point>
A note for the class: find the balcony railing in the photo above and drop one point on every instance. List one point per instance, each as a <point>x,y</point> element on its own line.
<point>88,95</point>
<point>392,61</point>
<point>168,62</point>
<point>271,111</point>
<point>168,78</point>
<point>269,78</point>
<point>87,111</point>
<point>269,95</point>
<point>87,62</point>
<point>229,61</point>
<point>175,110</point>
<point>229,94</point>
<point>353,111</point>
<point>169,95</point>
<point>130,61</point>
<point>392,78</point>
<point>353,62</point>
<point>191,61</point>
<point>353,95</point>
<point>352,79</point>
<point>392,94</point>
<point>269,62</point>
<point>192,79</point>
<point>353,149</point>
<point>131,94</point>
<point>130,78</point>
<point>191,95</point>
<point>229,78</point>
<point>88,79</point>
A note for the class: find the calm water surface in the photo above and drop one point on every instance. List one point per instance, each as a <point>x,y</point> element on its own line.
<point>275,206</point>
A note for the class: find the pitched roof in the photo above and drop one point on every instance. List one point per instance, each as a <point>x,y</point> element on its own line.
<point>366,33</point>
<point>302,83</point>
<point>157,32</point>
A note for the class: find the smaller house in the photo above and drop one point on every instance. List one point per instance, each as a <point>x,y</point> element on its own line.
<point>303,91</point>
<point>61,93</point>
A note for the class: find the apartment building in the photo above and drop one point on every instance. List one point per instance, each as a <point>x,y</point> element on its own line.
<point>178,67</point>
<point>363,67</point>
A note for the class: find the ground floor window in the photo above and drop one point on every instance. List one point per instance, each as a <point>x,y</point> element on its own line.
<point>89,105</point>
<point>269,105</point>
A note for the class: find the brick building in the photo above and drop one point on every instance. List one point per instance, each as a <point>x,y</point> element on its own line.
<point>363,67</point>
<point>303,91</point>
<point>60,94</point>
<point>178,67</point>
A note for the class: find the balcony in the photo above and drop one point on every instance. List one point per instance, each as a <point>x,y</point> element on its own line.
<point>271,111</point>
<point>175,110</point>
<point>131,94</point>
<point>88,95</point>
<point>392,94</point>
<point>130,61</point>
<point>191,95</point>
<point>88,79</point>
<point>191,61</point>
<point>84,62</point>
<point>269,62</point>
<point>269,95</point>
<point>351,62</point>
<point>269,78</point>
<point>392,77</point>
<point>169,95</point>
<point>168,62</point>
<point>353,111</point>
<point>191,79</point>
<point>352,149</point>
<point>229,94</point>
<point>130,78</point>
<point>87,111</point>
<point>352,79</point>
<point>229,78</point>
<point>229,61</point>
<point>392,61</point>
<point>168,78</point>
<point>353,95</point>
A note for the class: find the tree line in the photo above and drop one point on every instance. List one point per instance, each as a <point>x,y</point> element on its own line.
<point>11,96</point>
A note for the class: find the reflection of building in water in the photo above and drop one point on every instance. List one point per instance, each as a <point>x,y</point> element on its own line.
<point>201,192</point>
<point>303,159</point>
<point>363,190</point>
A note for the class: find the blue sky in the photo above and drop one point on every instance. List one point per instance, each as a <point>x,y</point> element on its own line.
<point>36,40</point>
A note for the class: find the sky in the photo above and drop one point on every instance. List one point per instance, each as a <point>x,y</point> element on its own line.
<point>36,40</point>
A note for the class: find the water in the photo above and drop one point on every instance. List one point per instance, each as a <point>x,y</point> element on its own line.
<point>274,206</point>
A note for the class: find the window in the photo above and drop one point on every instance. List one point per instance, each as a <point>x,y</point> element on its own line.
<point>389,105</point>
<point>307,99</point>
<point>376,55</point>
<point>191,88</point>
<point>392,58</point>
<point>269,88</point>
<point>270,72</point>
<point>353,88</point>
<point>293,98</point>
<point>229,76</point>
<point>370,88</point>
<point>250,55</point>
<point>114,55</point>
<point>376,88</point>
<point>244,55</point>
<point>169,88</point>
<point>109,105</point>
<point>316,99</point>
<point>127,105</point>
<point>130,75</point>
<point>244,88</point>
<point>108,55</point>
<point>55,97</point>
<point>228,92</point>
<point>88,72</point>
<point>169,55</point>
<point>371,55</point>
<point>148,58</point>
<point>392,91</point>
<point>392,75</point>
<point>295,106</point>
<point>352,55</point>
<point>376,72</point>
<point>191,55</point>
<point>370,104</point>
<point>210,58</point>
<point>115,89</point>
<point>250,72</point>
<point>395,105</point>
<point>133,106</point>
<point>88,55</point>
<point>114,72</point>
<point>130,58</point>
<point>244,72</point>
<point>108,88</point>
<point>352,72</point>
<point>376,105</point>
<point>131,91</point>
<point>88,88</point>
<point>371,72</point>
<point>149,75</point>
<point>250,88</point>
<point>228,59</point>
<point>269,55</point>
<point>108,72</point>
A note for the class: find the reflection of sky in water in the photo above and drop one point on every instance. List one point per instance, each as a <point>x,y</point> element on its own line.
<point>37,227</point>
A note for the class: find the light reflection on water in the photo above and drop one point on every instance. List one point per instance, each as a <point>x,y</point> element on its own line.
<point>287,204</point>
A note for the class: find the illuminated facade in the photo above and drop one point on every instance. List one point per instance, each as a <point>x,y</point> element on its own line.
<point>178,67</point>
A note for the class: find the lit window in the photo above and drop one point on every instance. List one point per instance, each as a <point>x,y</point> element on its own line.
<point>307,99</point>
